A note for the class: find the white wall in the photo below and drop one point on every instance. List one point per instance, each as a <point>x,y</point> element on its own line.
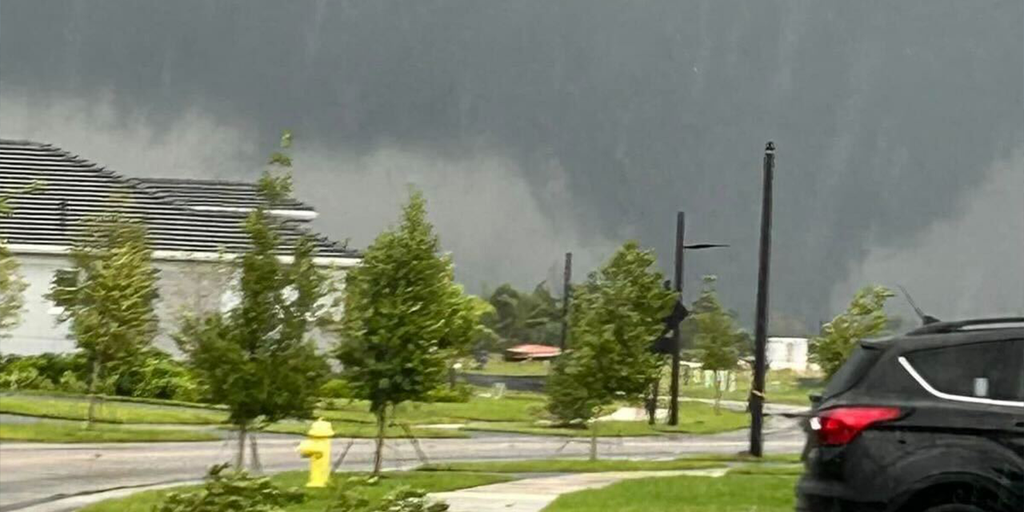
<point>183,286</point>
<point>787,354</point>
<point>38,331</point>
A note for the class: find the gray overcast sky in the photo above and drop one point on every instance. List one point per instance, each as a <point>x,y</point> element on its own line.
<point>537,127</point>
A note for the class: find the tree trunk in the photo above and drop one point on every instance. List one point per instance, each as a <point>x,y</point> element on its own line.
<point>257,466</point>
<point>240,456</point>
<point>93,398</point>
<point>718,393</point>
<point>652,406</point>
<point>593,442</point>
<point>378,453</point>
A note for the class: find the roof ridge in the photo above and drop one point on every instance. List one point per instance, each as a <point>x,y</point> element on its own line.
<point>23,142</point>
<point>197,180</point>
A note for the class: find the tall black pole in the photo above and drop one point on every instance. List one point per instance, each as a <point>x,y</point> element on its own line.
<point>566,293</point>
<point>761,327</point>
<point>673,406</point>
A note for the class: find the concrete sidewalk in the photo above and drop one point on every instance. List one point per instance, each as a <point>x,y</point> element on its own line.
<point>533,494</point>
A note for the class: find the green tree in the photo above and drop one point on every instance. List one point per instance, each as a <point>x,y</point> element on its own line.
<point>864,317</point>
<point>718,341</point>
<point>526,317</point>
<point>614,317</point>
<point>405,318</point>
<point>12,286</point>
<point>258,357</point>
<point>108,294</point>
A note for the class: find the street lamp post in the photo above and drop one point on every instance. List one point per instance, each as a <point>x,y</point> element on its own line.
<point>761,325</point>
<point>681,247</point>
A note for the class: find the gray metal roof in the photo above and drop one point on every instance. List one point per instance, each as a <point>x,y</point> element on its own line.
<point>216,195</point>
<point>177,213</point>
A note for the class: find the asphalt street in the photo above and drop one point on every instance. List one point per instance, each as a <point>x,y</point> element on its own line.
<point>34,475</point>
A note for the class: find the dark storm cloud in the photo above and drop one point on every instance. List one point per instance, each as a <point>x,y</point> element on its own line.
<point>887,114</point>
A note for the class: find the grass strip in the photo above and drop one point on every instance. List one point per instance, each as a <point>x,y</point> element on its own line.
<point>571,466</point>
<point>55,431</point>
<point>76,408</point>
<point>749,493</point>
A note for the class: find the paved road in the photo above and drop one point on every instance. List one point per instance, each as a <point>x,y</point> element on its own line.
<point>32,473</point>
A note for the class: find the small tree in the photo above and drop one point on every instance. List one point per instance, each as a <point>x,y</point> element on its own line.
<point>404,318</point>
<point>257,357</point>
<point>864,317</point>
<point>717,340</point>
<point>614,316</point>
<point>12,286</point>
<point>108,295</point>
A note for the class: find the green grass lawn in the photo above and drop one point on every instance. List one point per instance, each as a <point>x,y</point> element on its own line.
<point>364,430</point>
<point>76,408</point>
<point>733,492</point>
<point>498,366</point>
<point>571,466</point>
<point>52,393</point>
<point>694,418</point>
<point>512,407</point>
<point>318,499</point>
<point>59,431</point>
<point>768,469</point>
<point>792,458</point>
<point>781,386</point>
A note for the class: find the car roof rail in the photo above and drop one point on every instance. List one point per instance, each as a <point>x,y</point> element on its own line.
<point>964,325</point>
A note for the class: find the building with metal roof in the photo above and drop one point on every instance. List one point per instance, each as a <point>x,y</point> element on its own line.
<point>193,227</point>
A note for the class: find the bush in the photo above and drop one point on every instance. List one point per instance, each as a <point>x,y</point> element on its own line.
<point>461,393</point>
<point>21,378</point>
<point>150,374</point>
<point>43,371</point>
<point>403,499</point>
<point>231,491</point>
<point>154,374</point>
<point>70,383</point>
<point>409,500</point>
<point>336,388</point>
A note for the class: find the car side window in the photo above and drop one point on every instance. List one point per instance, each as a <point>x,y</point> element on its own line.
<point>993,370</point>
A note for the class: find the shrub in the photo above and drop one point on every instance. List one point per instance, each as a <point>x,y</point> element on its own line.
<point>43,371</point>
<point>154,374</point>
<point>403,499</point>
<point>461,393</point>
<point>231,491</point>
<point>409,500</point>
<point>336,388</point>
<point>70,383</point>
<point>21,378</point>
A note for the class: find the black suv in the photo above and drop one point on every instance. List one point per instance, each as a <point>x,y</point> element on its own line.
<point>931,421</point>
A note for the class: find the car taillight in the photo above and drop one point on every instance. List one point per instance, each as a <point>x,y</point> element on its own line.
<point>841,425</point>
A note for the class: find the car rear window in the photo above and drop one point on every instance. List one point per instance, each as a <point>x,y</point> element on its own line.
<point>980,370</point>
<point>853,369</point>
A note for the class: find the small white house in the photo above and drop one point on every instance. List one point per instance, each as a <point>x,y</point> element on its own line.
<point>788,354</point>
<point>194,228</point>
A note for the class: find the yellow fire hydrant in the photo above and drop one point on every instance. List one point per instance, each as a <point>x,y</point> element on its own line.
<point>318,449</point>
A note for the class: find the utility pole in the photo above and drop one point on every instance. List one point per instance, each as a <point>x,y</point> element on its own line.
<point>673,405</point>
<point>566,293</point>
<point>761,326</point>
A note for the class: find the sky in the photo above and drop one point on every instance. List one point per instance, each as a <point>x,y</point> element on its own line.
<point>537,127</point>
